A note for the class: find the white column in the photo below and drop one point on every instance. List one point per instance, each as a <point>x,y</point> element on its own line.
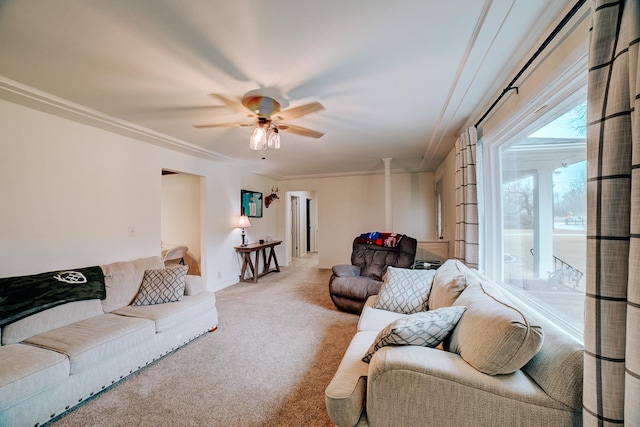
<point>387,195</point>
<point>543,223</point>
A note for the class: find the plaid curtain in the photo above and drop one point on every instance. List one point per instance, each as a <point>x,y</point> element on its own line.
<point>612,303</point>
<point>466,237</point>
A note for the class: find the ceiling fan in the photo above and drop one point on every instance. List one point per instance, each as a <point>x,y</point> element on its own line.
<point>268,119</point>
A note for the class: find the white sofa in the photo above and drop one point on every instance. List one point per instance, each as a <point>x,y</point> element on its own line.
<point>55,359</point>
<point>501,365</point>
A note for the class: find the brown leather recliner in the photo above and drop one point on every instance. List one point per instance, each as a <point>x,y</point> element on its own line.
<point>351,285</point>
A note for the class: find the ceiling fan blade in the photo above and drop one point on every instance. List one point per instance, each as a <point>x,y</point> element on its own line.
<point>233,104</point>
<point>298,130</point>
<point>303,110</point>
<point>222,125</point>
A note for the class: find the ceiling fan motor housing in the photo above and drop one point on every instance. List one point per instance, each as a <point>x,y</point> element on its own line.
<point>263,106</point>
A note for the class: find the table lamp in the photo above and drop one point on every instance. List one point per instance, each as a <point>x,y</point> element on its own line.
<point>243,222</point>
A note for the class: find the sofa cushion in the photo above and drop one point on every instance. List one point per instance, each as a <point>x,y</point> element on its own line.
<point>50,319</point>
<point>373,262</point>
<point>493,336</point>
<point>27,370</point>
<point>171,314</point>
<point>426,329</point>
<point>404,290</point>
<point>90,341</point>
<point>161,286</point>
<point>448,283</point>
<point>122,280</point>
<point>374,319</point>
<point>345,270</point>
<point>194,285</point>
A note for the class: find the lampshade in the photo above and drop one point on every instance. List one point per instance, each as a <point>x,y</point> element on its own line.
<point>258,140</point>
<point>273,140</point>
<point>243,222</point>
<point>264,136</point>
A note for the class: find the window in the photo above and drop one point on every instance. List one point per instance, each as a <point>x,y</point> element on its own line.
<point>543,198</point>
<point>532,180</point>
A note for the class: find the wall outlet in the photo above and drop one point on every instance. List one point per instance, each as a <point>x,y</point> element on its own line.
<point>132,231</point>
<point>219,274</point>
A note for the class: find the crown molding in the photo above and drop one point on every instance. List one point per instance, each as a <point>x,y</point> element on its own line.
<point>30,97</point>
<point>356,173</point>
<point>27,96</point>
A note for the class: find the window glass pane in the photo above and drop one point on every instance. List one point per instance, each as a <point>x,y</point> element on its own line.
<point>544,215</point>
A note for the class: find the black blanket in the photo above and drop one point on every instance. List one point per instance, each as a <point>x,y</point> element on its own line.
<point>23,296</point>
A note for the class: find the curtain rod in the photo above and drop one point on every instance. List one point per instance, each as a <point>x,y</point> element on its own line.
<point>537,53</point>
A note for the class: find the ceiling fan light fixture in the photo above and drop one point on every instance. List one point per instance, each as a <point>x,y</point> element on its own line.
<point>273,140</point>
<point>258,139</point>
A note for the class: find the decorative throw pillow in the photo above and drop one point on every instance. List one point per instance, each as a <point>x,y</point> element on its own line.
<point>495,337</point>
<point>160,286</point>
<point>122,280</point>
<point>426,329</point>
<point>450,280</point>
<point>404,290</point>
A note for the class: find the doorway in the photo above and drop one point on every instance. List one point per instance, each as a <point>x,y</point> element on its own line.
<point>308,225</point>
<point>301,219</point>
<point>180,216</point>
<point>295,226</point>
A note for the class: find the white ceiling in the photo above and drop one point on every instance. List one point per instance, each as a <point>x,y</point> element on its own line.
<point>397,79</point>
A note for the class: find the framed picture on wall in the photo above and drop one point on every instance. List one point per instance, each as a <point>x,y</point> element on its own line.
<point>251,203</point>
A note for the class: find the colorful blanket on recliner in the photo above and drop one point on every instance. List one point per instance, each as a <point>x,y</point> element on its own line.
<point>386,240</point>
<point>23,296</point>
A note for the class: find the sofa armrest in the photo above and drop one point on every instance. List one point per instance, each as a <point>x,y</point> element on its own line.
<point>194,285</point>
<point>346,270</point>
<point>345,394</point>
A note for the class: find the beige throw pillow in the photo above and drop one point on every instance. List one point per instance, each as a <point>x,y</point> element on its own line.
<point>122,280</point>
<point>450,280</point>
<point>494,336</point>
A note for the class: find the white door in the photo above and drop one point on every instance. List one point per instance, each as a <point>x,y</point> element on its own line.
<point>295,227</point>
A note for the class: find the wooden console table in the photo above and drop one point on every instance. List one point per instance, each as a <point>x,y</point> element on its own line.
<point>252,270</point>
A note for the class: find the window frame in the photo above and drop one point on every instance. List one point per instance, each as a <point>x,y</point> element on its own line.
<point>556,100</point>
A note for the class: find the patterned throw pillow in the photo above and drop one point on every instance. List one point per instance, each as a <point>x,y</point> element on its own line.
<point>160,286</point>
<point>405,290</point>
<point>426,329</point>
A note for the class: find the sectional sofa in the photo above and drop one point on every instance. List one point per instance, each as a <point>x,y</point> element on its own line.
<point>55,359</point>
<point>464,354</point>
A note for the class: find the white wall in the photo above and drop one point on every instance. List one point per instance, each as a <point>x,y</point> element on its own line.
<point>70,192</point>
<point>348,206</point>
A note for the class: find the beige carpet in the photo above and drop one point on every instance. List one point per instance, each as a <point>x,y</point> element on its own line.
<point>277,346</point>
